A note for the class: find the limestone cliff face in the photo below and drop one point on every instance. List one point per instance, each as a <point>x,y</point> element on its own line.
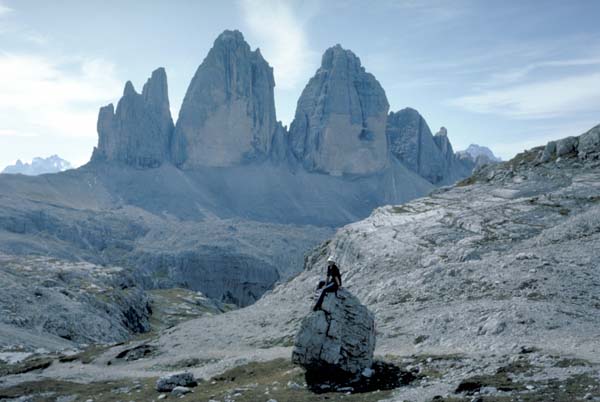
<point>339,126</point>
<point>455,167</point>
<point>411,141</point>
<point>430,156</point>
<point>228,113</point>
<point>139,131</point>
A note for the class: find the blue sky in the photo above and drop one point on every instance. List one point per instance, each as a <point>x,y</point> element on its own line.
<point>509,75</point>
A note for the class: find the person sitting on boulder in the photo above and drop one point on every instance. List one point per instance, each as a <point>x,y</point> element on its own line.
<point>331,284</point>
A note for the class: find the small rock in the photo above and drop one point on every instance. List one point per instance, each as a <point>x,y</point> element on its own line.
<point>368,372</point>
<point>293,385</point>
<point>588,396</point>
<point>488,390</point>
<point>179,390</point>
<point>169,382</point>
<point>162,396</point>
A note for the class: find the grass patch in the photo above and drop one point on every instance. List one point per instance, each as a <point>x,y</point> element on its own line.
<point>253,382</point>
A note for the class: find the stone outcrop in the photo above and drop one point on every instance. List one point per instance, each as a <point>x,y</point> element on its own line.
<point>65,304</point>
<point>585,146</point>
<point>168,383</point>
<point>228,113</point>
<point>341,336</point>
<point>139,131</point>
<point>339,125</point>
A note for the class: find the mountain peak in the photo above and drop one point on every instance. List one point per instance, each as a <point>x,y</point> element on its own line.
<point>229,35</point>
<point>39,165</point>
<point>338,57</point>
<point>339,126</point>
<point>442,132</point>
<point>129,89</point>
<point>138,132</point>
<point>228,113</point>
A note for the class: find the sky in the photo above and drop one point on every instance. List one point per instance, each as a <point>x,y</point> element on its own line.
<point>509,74</point>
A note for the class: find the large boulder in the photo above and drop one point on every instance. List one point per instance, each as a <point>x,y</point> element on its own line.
<point>228,113</point>
<point>339,126</point>
<point>139,131</point>
<point>338,338</point>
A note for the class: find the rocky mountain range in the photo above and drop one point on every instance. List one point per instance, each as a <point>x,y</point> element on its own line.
<point>486,290</point>
<point>51,164</point>
<point>226,200</point>
<point>227,119</point>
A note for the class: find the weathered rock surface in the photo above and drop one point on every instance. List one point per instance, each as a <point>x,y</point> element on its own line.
<point>339,125</point>
<point>138,133</point>
<point>170,382</point>
<point>341,336</point>
<point>228,113</point>
<point>504,259</point>
<point>484,279</point>
<point>586,146</point>
<point>52,304</point>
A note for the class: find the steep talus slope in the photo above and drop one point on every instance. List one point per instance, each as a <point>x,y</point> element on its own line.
<point>506,259</point>
<point>176,236</point>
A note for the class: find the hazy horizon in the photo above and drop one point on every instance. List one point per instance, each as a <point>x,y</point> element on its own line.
<point>508,76</point>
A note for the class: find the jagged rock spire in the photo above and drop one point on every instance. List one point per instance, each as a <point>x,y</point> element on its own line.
<point>138,133</point>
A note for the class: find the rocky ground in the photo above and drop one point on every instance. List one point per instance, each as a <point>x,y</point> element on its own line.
<point>487,291</point>
<point>49,304</point>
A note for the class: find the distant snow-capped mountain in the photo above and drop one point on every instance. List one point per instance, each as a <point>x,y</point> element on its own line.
<point>51,164</point>
<point>476,151</point>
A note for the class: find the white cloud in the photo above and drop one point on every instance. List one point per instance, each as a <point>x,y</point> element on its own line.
<point>43,97</point>
<point>550,98</point>
<point>519,74</point>
<point>4,9</point>
<point>279,28</point>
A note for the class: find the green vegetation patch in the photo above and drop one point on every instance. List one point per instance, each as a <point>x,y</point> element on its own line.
<point>254,382</point>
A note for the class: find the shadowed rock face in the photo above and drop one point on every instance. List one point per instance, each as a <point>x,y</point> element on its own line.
<point>339,126</point>
<point>139,132</point>
<point>228,113</point>
<point>431,156</point>
<point>413,144</point>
